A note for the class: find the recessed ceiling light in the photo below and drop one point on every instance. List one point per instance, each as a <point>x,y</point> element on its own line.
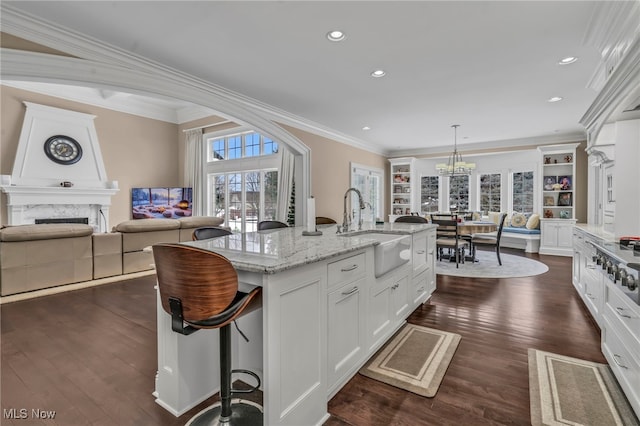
<point>365,128</point>
<point>568,60</point>
<point>336,35</point>
<point>554,99</point>
<point>378,73</point>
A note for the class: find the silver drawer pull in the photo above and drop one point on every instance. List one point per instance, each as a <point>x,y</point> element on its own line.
<point>350,268</point>
<point>619,311</point>
<point>591,266</point>
<point>590,296</point>
<point>420,290</point>
<point>420,252</point>
<point>615,359</point>
<point>353,290</point>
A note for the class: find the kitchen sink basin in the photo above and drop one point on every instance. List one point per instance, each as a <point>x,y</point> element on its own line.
<point>393,251</point>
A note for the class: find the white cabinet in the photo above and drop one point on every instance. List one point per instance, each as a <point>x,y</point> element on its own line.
<point>557,204</point>
<point>423,283</point>
<point>346,330</point>
<point>346,316</point>
<point>556,236</point>
<point>403,187</point>
<point>388,305</point>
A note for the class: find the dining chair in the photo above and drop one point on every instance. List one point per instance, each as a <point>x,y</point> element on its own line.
<point>271,224</point>
<point>448,237</point>
<point>207,232</point>
<point>490,239</point>
<point>411,219</point>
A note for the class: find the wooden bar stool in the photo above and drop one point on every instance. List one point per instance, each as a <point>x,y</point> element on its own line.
<point>199,289</point>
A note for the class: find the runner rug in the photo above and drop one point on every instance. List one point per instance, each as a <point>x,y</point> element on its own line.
<point>415,359</point>
<point>570,391</point>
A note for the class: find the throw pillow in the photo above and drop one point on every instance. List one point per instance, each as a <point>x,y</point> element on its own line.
<point>518,220</point>
<point>494,217</point>
<point>533,222</point>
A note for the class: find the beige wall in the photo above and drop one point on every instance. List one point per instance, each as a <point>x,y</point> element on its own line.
<point>136,151</point>
<point>330,177</point>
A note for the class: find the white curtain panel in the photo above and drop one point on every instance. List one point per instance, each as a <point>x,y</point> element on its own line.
<point>285,183</point>
<point>194,170</point>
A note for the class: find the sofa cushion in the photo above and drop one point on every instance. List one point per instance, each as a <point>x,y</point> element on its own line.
<point>45,231</point>
<point>147,225</point>
<point>198,221</point>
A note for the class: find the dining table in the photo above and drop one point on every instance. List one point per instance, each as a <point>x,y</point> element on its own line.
<point>469,227</point>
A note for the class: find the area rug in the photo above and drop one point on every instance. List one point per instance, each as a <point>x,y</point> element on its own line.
<point>415,359</point>
<point>487,266</point>
<point>571,391</point>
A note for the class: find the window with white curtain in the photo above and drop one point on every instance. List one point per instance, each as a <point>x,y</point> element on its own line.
<point>368,180</point>
<point>242,178</point>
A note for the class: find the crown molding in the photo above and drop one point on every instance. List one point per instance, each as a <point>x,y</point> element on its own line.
<point>501,145</point>
<point>78,45</point>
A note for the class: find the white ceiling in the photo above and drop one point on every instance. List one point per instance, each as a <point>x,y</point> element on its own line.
<point>488,66</point>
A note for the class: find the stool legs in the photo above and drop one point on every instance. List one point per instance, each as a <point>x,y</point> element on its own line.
<point>225,373</point>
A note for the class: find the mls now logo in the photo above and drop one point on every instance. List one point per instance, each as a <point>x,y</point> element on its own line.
<point>23,413</point>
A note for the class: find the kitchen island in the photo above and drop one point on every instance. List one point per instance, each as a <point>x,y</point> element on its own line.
<point>326,309</point>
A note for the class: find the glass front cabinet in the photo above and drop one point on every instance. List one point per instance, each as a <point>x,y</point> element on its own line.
<point>558,186</point>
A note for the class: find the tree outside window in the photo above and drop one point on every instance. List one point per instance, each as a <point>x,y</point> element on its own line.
<point>459,193</point>
<point>429,194</point>
<point>523,192</point>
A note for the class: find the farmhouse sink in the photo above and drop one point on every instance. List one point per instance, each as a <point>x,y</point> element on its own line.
<point>393,251</point>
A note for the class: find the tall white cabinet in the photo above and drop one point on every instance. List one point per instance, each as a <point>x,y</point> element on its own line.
<point>404,188</point>
<point>558,183</point>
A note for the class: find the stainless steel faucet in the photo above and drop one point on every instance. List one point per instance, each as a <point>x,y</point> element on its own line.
<point>346,220</point>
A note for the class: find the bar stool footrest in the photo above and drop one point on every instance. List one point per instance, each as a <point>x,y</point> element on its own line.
<point>252,374</point>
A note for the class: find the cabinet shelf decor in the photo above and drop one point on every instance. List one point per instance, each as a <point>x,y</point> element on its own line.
<point>557,203</point>
<point>403,193</point>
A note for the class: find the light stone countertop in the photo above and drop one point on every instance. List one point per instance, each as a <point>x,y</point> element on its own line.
<point>276,250</point>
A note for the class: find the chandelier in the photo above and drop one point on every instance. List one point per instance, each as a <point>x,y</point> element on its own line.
<point>455,166</point>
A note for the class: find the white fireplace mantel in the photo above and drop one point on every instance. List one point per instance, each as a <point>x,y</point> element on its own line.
<point>27,203</point>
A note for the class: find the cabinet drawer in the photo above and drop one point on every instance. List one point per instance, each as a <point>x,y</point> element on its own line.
<point>622,311</point>
<point>624,365</point>
<point>346,270</point>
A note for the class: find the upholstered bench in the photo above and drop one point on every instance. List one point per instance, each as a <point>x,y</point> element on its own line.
<point>521,238</point>
<point>34,257</point>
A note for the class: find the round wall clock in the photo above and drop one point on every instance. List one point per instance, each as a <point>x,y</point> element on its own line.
<point>63,149</point>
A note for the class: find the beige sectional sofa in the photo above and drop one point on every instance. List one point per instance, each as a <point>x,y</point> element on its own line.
<point>34,257</point>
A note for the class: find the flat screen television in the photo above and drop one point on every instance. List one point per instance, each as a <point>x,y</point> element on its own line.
<point>161,203</point>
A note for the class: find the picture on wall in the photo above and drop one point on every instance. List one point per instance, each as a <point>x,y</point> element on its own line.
<point>161,203</point>
<point>549,200</point>
<point>565,199</point>
<point>549,181</point>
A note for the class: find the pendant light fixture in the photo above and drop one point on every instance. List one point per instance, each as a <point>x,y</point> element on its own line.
<point>455,166</point>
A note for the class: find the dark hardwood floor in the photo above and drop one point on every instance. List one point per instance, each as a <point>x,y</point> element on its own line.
<point>90,355</point>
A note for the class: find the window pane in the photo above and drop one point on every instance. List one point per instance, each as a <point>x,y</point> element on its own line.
<point>235,147</point>
<point>235,201</point>
<point>252,145</point>
<point>270,195</point>
<point>459,193</point>
<point>217,149</point>
<point>490,193</point>
<point>523,192</point>
<point>429,190</point>
<point>252,197</point>
<point>220,199</point>
<point>270,147</point>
